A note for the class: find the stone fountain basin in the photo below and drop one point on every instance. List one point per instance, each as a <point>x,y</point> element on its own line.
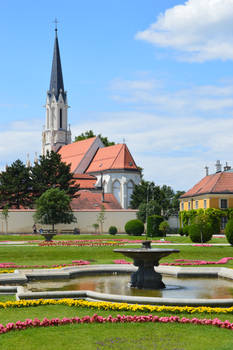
<point>14,283</point>
<point>151,256</point>
<point>146,258</point>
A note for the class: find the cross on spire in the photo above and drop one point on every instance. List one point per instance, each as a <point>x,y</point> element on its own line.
<point>55,22</point>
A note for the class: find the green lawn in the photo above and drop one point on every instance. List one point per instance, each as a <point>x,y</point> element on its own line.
<point>173,239</point>
<point>111,336</point>
<point>35,255</point>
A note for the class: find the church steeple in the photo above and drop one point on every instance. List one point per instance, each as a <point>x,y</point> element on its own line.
<point>56,133</point>
<point>56,80</point>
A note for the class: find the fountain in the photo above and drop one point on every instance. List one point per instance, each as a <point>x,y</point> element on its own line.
<point>146,258</point>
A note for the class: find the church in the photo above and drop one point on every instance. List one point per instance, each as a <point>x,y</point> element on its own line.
<point>106,175</point>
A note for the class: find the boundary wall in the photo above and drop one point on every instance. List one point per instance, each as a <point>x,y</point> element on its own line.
<point>21,221</point>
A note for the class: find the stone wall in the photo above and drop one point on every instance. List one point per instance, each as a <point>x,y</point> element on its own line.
<point>21,221</point>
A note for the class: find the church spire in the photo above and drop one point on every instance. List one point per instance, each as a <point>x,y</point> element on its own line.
<point>56,133</point>
<point>56,80</point>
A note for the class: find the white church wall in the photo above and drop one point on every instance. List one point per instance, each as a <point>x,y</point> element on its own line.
<point>110,180</point>
<point>21,221</point>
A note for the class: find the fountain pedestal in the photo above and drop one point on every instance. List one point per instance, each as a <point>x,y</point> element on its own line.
<point>146,258</point>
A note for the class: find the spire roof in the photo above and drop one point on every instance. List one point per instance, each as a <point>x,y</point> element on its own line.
<point>56,80</point>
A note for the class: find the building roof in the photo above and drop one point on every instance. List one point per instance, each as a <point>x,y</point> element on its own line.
<point>56,80</point>
<point>85,181</point>
<point>93,200</point>
<point>112,157</point>
<point>218,183</point>
<point>74,152</point>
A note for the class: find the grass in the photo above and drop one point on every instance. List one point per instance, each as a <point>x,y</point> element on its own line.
<point>173,239</point>
<point>35,255</point>
<point>111,336</point>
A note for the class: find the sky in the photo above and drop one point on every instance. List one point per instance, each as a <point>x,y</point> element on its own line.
<point>155,73</point>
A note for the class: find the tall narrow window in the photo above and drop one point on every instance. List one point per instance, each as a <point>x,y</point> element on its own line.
<point>130,186</point>
<point>60,118</point>
<point>117,190</point>
<point>205,203</point>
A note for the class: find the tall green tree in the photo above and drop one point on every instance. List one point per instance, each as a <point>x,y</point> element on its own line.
<point>53,207</point>
<point>90,133</point>
<point>51,172</point>
<point>153,200</point>
<point>15,186</point>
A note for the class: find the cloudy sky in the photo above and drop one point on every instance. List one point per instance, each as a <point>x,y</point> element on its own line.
<point>157,73</point>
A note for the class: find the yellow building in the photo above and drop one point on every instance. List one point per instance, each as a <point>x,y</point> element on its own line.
<point>213,191</point>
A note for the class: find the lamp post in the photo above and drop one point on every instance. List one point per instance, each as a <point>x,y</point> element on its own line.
<point>147,201</point>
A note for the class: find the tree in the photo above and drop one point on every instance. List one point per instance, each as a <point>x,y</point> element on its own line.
<point>53,207</point>
<point>101,218</point>
<point>88,134</point>
<point>15,186</point>
<point>148,209</point>
<point>147,197</point>
<point>5,215</point>
<point>51,172</point>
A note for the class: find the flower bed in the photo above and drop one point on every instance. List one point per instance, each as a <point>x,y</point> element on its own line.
<point>11,265</point>
<point>19,325</point>
<point>94,242</point>
<point>104,305</point>
<point>187,262</point>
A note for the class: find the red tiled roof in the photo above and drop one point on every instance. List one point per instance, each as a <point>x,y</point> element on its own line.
<point>93,200</point>
<point>112,157</point>
<point>85,181</point>
<point>218,183</point>
<point>74,152</point>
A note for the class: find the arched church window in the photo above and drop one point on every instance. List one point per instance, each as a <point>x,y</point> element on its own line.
<point>117,190</point>
<point>130,187</point>
<point>60,118</point>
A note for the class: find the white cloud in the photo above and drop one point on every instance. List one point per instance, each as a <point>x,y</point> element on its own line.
<point>209,98</point>
<point>201,30</point>
<point>172,151</point>
<point>19,139</point>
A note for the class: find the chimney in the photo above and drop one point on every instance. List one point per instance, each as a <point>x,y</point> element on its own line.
<point>218,166</point>
<point>227,167</point>
<point>206,170</point>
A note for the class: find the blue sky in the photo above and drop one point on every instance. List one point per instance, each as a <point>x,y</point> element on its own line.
<point>157,73</point>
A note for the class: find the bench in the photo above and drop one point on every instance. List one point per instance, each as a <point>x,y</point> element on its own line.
<point>74,231</point>
<point>48,231</point>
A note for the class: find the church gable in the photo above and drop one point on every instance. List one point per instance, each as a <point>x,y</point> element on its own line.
<point>79,154</point>
<point>112,157</point>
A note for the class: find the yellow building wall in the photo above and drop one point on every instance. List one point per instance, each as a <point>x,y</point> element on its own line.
<point>230,202</point>
<point>214,203</point>
<point>210,202</point>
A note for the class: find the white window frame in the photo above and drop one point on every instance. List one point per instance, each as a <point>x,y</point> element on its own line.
<point>196,204</point>
<point>205,204</point>
<point>189,205</point>
<point>182,206</point>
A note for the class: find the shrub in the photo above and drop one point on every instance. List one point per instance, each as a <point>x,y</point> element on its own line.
<point>153,223</point>
<point>112,230</point>
<point>186,230</point>
<point>200,231</point>
<point>134,227</point>
<point>164,227</point>
<point>229,231</point>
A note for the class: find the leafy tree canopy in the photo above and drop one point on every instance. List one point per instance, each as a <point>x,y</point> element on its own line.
<point>51,172</point>
<point>53,207</point>
<point>15,186</point>
<point>153,200</point>
<point>88,134</point>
